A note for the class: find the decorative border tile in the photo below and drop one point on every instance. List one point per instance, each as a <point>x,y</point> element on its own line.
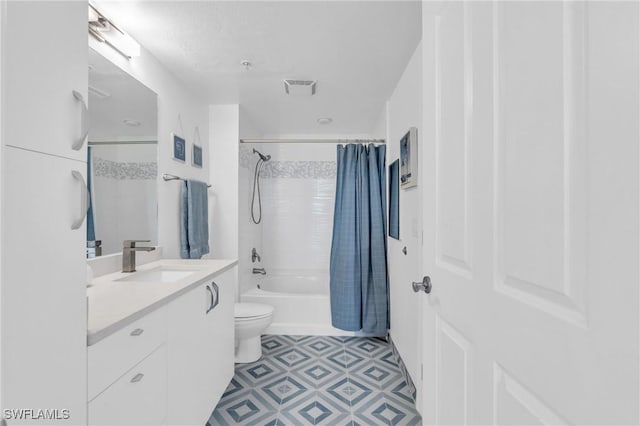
<point>288,169</point>
<point>246,157</point>
<point>121,171</point>
<point>300,170</point>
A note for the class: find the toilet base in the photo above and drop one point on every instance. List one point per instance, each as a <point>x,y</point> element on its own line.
<point>248,350</point>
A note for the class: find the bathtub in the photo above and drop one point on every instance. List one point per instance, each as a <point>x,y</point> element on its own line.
<point>301,303</point>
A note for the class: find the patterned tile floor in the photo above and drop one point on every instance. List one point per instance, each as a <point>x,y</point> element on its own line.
<point>318,380</point>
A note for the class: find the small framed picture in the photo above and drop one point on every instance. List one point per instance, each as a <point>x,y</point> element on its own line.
<point>197,156</point>
<point>409,159</point>
<point>179,148</point>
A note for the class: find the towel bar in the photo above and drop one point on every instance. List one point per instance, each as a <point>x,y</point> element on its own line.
<point>168,177</point>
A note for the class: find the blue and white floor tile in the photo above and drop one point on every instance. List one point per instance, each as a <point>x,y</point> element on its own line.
<point>318,380</point>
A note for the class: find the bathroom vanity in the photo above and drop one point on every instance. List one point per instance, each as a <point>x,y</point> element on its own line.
<point>160,342</point>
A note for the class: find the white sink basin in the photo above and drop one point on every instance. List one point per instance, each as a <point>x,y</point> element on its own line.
<point>159,275</point>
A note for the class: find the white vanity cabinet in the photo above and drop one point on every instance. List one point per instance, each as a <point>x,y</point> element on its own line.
<point>169,366</point>
<point>137,398</point>
<point>110,358</point>
<point>45,61</point>
<point>43,293</point>
<point>43,286</point>
<point>201,349</point>
<point>128,374</point>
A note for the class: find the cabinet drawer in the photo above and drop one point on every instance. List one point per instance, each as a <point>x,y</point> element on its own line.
<point>137,398</point>
<point>110,358</point>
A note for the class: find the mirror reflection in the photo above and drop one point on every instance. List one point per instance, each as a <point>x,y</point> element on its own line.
<point>122,166</point>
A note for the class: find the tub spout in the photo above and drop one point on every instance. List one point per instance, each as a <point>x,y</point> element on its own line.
<point>260,271</point>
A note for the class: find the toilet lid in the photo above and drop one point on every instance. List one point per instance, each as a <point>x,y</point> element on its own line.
<point>249,310</point>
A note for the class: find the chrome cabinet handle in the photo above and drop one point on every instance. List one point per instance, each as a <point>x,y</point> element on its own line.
<point>137,378</point>
<point>84,130</point>
<point>216,294</point>
<point>137,332</point>
<point>84,200</point>
<point>210,308</point>
<point>425,285</point>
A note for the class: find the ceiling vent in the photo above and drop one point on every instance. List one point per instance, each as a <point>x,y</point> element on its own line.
<point>300,87</point>
<point>100,94</point>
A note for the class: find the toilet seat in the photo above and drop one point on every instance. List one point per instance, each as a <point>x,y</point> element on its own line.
<point>251,311</point>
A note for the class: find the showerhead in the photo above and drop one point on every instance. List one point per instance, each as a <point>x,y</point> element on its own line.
<point>262,156</point>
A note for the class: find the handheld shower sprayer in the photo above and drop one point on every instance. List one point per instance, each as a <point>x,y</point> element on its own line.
<point>256,184</point>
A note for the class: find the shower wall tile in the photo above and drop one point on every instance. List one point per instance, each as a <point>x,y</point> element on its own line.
<point>297,223</point>
<point>250,234</point>
<point>297,186</point>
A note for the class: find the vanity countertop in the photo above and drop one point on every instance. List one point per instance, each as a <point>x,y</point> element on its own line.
<point>113,303</point>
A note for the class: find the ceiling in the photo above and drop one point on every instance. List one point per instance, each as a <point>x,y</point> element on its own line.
<point>356,50</point>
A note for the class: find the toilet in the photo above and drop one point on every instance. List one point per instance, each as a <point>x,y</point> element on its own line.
<point>251,319</point>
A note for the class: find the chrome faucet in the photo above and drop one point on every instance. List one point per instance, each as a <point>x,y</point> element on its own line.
<point>260,271</point>
<point>129,250</point>
<point>254,255</point>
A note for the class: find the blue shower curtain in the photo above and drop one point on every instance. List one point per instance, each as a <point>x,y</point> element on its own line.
<point>358,268</point>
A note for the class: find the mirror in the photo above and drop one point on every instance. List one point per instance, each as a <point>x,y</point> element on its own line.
<point>122,166</point>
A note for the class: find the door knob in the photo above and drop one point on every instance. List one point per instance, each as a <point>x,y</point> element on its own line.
<point>425,285</point>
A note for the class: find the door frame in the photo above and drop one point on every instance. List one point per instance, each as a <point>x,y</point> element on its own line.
<point>427,401</point>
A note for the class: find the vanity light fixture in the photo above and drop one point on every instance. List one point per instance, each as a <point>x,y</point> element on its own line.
<point>105,31</point>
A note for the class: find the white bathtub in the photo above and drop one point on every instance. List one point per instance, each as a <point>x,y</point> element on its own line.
<point>301,303</point>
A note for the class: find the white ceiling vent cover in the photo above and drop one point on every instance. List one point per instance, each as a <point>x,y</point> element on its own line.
<point>300,87</point>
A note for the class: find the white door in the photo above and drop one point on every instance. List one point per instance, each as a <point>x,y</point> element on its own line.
<point>530,174</point>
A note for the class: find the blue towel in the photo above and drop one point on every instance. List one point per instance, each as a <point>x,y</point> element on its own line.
<point>194,220</point>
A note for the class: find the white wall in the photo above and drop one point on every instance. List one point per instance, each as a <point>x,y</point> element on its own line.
<point>223,227</point>
<point>181,112</point>
<point>403,111</point>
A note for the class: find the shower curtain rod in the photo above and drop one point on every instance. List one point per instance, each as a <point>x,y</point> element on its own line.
<point>312,141</point>
<point>123,142</point>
